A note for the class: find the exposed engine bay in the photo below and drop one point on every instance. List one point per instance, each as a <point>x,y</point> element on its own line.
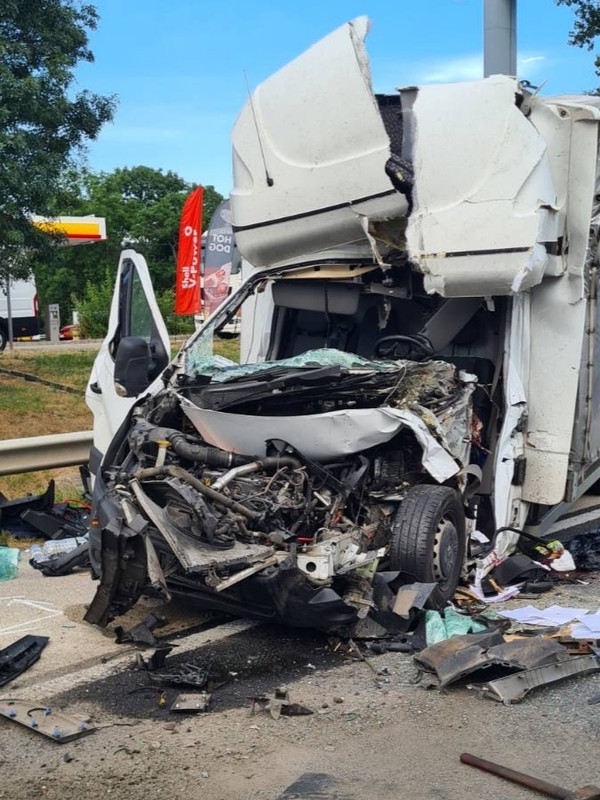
<point>307,525</point>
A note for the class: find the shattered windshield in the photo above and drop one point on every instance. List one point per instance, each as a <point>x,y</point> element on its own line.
<point>202,356</point>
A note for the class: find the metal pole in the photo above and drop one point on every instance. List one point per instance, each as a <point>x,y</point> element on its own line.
<point>499,37</point>
<point>9,314</point>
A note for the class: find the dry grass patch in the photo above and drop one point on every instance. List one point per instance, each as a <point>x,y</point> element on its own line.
<point>69,368</point>
<point>68,483</point>
<point>32,409</point>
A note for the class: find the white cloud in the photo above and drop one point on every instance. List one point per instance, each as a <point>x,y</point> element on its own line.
<point>466,67</point>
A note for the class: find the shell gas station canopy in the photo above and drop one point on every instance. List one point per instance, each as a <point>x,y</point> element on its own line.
<point>75,230</point>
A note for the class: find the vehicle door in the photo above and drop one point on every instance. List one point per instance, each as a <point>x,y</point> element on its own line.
<point>133,355</point>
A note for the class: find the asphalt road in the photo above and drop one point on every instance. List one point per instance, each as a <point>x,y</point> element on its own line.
<point>373,733</point>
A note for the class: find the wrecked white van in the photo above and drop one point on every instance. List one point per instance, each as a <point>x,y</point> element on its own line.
<point>417,353</point>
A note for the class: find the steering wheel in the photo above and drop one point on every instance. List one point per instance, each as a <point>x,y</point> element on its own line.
<point>413,347</point>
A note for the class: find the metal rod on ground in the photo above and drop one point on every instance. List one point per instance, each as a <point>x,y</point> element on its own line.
<point>538,785</point>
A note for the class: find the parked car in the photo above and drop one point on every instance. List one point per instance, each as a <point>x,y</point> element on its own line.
<point>417,339</point>
<point>69,332</point>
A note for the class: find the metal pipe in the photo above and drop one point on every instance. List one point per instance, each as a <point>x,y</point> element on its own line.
<point>207,491</point>
<point>512,775</point>
<point>499,37</point>
<point>260,464</point>
<point>213,456</point>
<point>227,477</point>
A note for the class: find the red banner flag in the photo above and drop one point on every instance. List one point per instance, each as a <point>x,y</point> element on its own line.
<point>187,286</point>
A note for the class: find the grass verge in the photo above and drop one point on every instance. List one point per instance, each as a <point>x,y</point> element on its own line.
<point>32,409</point>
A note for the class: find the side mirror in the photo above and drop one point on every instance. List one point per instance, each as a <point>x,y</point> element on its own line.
<point>132,366</point>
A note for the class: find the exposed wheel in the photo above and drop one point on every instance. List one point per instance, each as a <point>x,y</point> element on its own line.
<point>428,539</point>
<point>3,338</point>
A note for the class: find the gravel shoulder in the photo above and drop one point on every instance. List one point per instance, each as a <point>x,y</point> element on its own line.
<point>373,733</point>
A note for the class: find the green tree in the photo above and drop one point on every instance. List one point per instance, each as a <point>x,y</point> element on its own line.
<point>586,27</point>
<point>44,123</point>
<point>142,207</point>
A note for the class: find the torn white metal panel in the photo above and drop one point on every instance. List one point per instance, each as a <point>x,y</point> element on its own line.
<point>309,145</point>
<point>582,174</point>
<point>555,127</point>
<point>586,432</point>
<point>320,436</point>
<point>560,314</point>
<point>474,231</point>
<point>508,508</point>
<point>557,331</point>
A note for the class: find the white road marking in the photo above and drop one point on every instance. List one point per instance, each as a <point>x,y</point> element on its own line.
<point>21,627</point>
<point>42,605</point>
<point>49,609</point>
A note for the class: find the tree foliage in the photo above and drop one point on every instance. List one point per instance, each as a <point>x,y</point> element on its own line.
<point>44,123</point>
<point>142,207</point>
<point>586,27</point>
<point>93,309</point>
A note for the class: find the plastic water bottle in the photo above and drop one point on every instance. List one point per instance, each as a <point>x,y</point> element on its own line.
<point>9,563</point>
<point>55,547</point>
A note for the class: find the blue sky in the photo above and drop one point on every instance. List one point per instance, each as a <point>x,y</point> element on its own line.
<point>178,66</point>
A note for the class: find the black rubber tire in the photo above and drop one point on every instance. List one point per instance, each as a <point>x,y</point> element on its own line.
<point>3,337</point>
<point>428,516</point>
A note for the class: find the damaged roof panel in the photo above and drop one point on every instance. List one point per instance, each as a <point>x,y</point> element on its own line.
<point>331,168</point>
<point>303,146</point>
<point>481,225</point>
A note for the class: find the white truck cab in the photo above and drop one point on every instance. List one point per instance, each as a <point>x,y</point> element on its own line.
<point>417,352</point>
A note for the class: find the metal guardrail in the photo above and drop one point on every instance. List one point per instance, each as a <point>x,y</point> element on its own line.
<point>45,452</point>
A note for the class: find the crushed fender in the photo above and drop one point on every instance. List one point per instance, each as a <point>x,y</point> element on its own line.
<point>513,688</point>
<point>448,661</point>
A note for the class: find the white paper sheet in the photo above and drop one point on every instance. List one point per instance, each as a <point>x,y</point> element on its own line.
<point>554,615</point>
<point>505,594</point>
<point>588,627</point>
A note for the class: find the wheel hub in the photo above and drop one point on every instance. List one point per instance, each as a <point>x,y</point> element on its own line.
<point>445,550</point>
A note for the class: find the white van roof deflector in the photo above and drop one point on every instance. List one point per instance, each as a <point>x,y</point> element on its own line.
<point>456,176</point>
<point>309,156</point>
